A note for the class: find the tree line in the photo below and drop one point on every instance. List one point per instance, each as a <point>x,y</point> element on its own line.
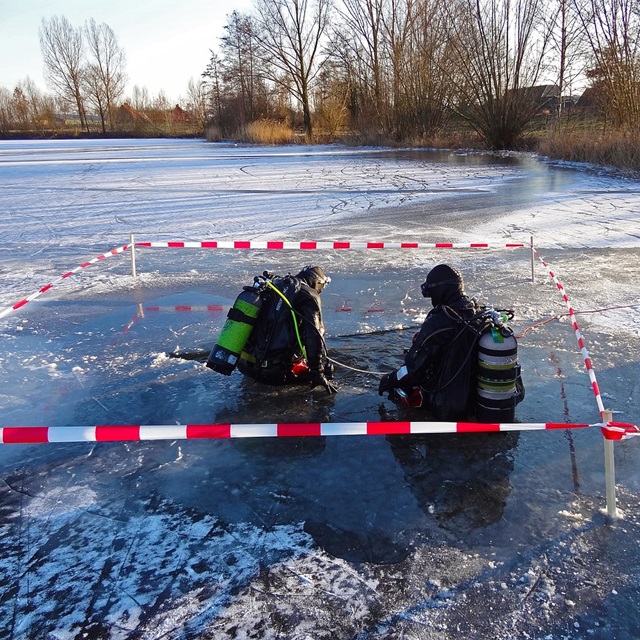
<point>85,68</point>
<point>406,68</point>
<point>398,69</point>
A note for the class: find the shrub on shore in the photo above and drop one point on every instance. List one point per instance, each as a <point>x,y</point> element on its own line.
<point>266,132</point>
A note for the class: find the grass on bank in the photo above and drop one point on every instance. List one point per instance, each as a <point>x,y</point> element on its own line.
<point>613,148</point>
<point>258,132</point>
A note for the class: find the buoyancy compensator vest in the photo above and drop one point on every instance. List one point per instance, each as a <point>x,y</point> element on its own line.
<point>498,380</point>
<point>452,390</point>
<point>275,335</point>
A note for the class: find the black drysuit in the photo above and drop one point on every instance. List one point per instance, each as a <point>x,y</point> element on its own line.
<point>441,360</point>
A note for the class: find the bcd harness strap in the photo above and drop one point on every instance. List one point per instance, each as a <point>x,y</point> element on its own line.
<point>293,316</point>
<point>263,363</point>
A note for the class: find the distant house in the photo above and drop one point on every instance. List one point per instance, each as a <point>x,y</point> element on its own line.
<point>180,115</point>
<point>127,114</point>
<point>545,97</point>
<point>590,100</point>
<point>569,102</point>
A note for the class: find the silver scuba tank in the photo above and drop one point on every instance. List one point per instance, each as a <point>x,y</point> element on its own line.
<point>497,372</point>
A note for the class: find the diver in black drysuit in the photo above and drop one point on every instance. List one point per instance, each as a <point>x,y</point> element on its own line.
<point>280,368</point>
<point>438,371</point>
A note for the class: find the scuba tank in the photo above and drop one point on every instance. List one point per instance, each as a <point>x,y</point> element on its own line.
<point>237,329</point>
<point>497,373</point>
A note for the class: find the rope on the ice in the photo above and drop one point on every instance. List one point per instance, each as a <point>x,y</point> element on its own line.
<point>564,315</point>
<point>581,343</point>
<point>350,368</point>
<point>279,245</point>
<point>64,276</point>
<point>118,433</point>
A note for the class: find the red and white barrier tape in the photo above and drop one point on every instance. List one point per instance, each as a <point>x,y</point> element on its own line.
<point>182,308</point>
<point>64,276</point>
<point>266,244</point>
<point>116,433</point>
<point>581,344</point>
<point>619,430</point>
<point>311,245</point>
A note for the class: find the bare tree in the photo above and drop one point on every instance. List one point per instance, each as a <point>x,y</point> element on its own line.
<point>350,71</point>
<point>613,31</point>
<point>140,98</point>
<point>213,84</point>
<point>160,103</point>
<point>499,48</point>
<point>426,70</point>
<point>395,57</point>
<point>359,45</point>
<point>240,65</point>
<point>32,109</point>
<point>197,102</point>
<point>399,25</point>
<point>568,43</point>
<point>95,96</point>
<point>290,34</point>
<point>20,109</point>
<point>62,49</point>
<point>105,76</point>
<point>6,111</point>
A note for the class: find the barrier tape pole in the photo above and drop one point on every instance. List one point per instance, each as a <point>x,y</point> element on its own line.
<point>609,470</point>
<point>279,245</point>
<point>581,343</point>
<point>117,433</point>
<point>609,430</point>
<point>133,255</point>
<point>533,262</point>
<point>33,296</point>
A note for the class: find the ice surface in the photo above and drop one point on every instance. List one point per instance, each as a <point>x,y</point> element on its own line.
<point>497,535</point>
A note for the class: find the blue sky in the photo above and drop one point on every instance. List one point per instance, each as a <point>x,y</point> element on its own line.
<point>166,42</point>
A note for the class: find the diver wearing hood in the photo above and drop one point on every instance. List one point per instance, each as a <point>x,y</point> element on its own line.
<point>438,368</point>
<point>279,352</point>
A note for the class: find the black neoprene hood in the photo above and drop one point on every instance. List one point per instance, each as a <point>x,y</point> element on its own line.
<point>442,281</point>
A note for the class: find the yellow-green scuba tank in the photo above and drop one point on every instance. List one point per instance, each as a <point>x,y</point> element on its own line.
<point>237,329</point>
<point>497,374</point>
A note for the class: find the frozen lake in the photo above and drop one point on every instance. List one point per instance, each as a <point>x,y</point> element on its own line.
<point>439,536</point>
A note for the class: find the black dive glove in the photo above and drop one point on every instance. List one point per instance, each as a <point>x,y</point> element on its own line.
<point>386,383</point>
<point>318,378</point>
